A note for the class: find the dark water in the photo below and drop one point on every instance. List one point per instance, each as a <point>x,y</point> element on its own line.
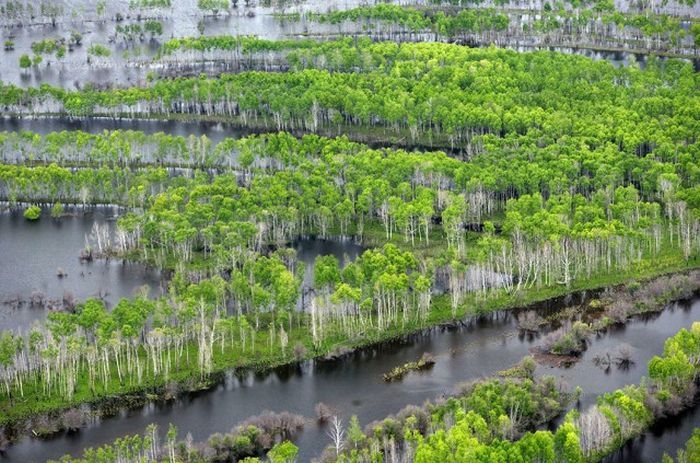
<point>355,386</point>
<point>646,338</point>
<point>31,253</point>
<point>215,131</point>
<point>665,437</point>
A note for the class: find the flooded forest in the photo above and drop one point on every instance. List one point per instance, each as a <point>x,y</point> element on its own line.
<point>350,231</point>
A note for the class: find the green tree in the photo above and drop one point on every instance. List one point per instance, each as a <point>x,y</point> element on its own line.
<point>284,452</point>
<point>25,62</point>
<point>213,6</point>
<point>57,210</point>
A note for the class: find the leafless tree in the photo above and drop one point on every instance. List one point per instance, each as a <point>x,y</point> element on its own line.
<point>69,301</point>
<point>37,298</point>
<point>623,359</point>
<point>73,419</point>
<point>594,430</point>
<point>4,441</point>
<point>337,434</point>
<point>323,412</point>
<point>299,351</point>
<point>529,321</point>
<point>619,311</point>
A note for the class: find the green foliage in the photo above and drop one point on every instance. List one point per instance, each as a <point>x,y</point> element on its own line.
<point>25,61</point>
<point>100,50</point>
<point>48,46</point>
<point>147,4</point>
<point>465,21</point>
<point>154,27</point>
<point>573,341</point>
<point>76,37</point>
<point>284,452</point>
<point>57,210</point>
<point>33,212</point>
<point>425,362</point>
<point>101,7</point>
<point>691,452</point>
<point>566,444</point>
<point>130,32</point>
<point>695,31</point>
<point>213,6</point>
<point>573,176</point>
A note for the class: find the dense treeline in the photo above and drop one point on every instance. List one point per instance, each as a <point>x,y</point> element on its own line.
<point>480,91</point>
<point>106,185</point>
<point>215,230</point>
<point>575,171</point>
<point>598,5</point>
<point>16,10</point>
<point>464,21</point>
<point>92,352</point>
<point>243,53</point>
<point>313,185</point>
<point>601,23</point>
<point>599,28</point>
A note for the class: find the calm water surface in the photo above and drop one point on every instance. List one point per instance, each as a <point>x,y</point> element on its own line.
<point>32,252</point>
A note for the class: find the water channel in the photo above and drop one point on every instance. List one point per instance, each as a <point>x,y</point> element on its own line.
<point>215,131</point>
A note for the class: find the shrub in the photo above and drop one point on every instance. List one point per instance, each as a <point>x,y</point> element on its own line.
<point>57,210</point>
<point>33,212</point>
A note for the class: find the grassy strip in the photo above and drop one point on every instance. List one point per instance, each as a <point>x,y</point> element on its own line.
<point>397,373</point>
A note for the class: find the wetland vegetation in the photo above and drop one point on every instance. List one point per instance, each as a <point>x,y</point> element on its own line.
<point>472,180</point>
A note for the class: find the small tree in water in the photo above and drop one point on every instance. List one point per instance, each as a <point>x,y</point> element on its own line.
<point>57,210</point>
<point>33,212</point>
<point>213,6</point>
<point>25,62</point>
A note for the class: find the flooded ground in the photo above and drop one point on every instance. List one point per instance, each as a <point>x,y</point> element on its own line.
<point>130,60</point>
<point>32,254</point>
